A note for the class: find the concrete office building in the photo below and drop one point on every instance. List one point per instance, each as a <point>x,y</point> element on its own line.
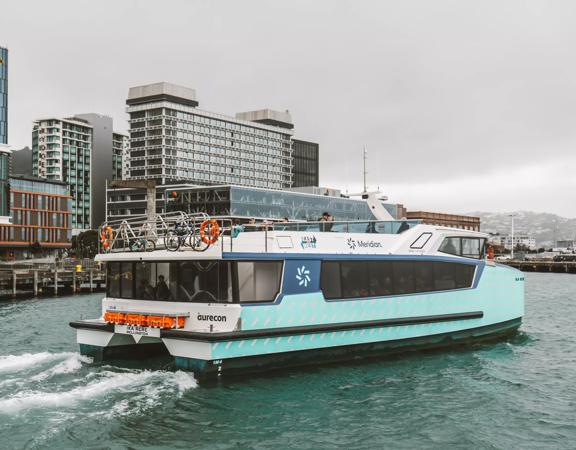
<point>3,95</point>
<point>62,151</point>
<point>171,140</point>
<point>519,240</point>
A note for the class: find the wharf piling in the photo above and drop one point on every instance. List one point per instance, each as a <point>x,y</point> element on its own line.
<point>49,279</point>
<point>543,266</point>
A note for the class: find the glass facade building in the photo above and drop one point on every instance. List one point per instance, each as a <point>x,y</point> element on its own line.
<point>306,163</point>
<point>62,151</point>
<point>3,95</point>
<point>249,202</point>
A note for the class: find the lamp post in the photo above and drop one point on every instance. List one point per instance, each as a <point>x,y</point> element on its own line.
<point>512,235</point>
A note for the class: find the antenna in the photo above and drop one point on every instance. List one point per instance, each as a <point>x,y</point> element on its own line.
<point>365,154</point>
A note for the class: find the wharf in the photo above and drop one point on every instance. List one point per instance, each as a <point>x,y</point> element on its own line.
<point>543,266</point>
<point>50,279</point>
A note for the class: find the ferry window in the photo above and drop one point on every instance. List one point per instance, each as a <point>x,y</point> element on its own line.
<point>463,246</point>
<point>354,279</point>
<point>381,277</point>
<point>142,275</point>
<point>258,281</point>
<point>464,275</point>
<point>451,245</point>
<point>403,277</point>
<point>421,241</point>
<point>330,279</point>
<point>472,247</point>
<point>126,280</point>
<point>113,280</point>
<point>424,276</point>
<point>205,282</point>
<point>156,281</point>
<point>444,276</point>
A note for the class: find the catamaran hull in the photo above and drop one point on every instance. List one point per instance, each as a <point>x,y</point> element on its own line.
<point>206,368</point>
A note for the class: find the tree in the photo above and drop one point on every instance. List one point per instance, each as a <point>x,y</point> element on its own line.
<point>85,245</point>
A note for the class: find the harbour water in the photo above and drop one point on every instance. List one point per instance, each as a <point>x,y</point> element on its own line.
<point>519,393</point>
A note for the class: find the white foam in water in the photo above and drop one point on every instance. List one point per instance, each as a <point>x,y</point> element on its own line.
<point>111,381</point>
<point>72,363</point>
<point>16,363</point>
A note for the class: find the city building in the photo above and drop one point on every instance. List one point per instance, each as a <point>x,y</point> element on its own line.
<point>62,151</point>
<point>41,225</point>
<point>85,152</point>
<point>519,241</point>
<point>445,220</point>
<point>120,148</point>
<point>123,203</point>
<point>172,140</point>
<point>250,202</point>
<point>5,155</point>
<point>22,161</point>
<point>104,160</point>
<point>3,95</point>
<point>566,244</point>
<point>306,163</point>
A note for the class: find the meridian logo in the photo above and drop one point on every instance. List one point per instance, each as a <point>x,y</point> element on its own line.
<point>362,244</point>
<point>303,276</point>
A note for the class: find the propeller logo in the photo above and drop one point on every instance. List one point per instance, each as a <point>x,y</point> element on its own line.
<point>303,276</point>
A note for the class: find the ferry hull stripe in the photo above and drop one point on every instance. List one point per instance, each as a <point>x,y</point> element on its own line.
<point>323,328</point>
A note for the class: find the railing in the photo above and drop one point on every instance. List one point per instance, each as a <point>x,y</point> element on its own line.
<point>142,234</point>
<point>178,230</point>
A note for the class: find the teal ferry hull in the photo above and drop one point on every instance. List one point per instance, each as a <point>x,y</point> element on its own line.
<point>357,352</point>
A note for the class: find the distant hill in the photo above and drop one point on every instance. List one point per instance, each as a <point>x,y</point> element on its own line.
<point>545,227</point>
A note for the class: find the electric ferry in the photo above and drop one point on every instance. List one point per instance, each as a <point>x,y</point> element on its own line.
<point>229,298</point>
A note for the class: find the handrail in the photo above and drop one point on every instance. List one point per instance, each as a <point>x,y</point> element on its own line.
<point>135,230</point>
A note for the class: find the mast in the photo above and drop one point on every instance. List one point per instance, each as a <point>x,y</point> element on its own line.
<point>365,154</point>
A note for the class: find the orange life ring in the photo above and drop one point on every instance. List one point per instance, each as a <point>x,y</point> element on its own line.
<point>106,235</point>
<point>213,231</point>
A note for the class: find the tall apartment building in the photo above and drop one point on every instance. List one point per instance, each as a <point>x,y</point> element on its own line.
<point>62,151</point>
<point>3,95</point>
<point>120,149</point>
<point>171,140</point>
<point>82,152</point>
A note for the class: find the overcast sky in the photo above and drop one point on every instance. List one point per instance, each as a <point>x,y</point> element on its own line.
<point>463,105</point>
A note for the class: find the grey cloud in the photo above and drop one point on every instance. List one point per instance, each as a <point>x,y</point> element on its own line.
<point>435,89</point>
